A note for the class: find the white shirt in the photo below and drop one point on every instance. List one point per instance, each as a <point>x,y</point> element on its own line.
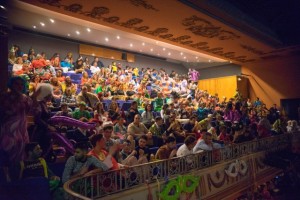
<point>95,69</point>
<point>184,151</point>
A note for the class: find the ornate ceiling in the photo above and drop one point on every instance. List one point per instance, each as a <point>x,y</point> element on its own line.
<point>200,26</point>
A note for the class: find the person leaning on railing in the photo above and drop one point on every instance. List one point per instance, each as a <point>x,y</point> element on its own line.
<point>80,164</point>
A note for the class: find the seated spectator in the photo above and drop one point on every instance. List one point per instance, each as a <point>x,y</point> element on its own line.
<point>85,78</point>
<point>68,98</point>
<point>119,127</point>
<point>142,151</point>
<point>99,112</point>
<point>113,111</point>
<point>188,127</point>
<point>82,114</point>
<point>168,150</point>
<point>205,144</point>
<point>57,88</point>
<point>133,110</point>
<point>64,111</point>
<point>224,135</point>
<point>158,102</point>
<point>80,163</point>
<point>34,165</point>
<point>176,129</point>
<point>187,147</point>
<point>99,152</point>
<point>60,76</point>
<point>127,155</point>
<point>67,84</point>
<point>137,129</point>
<point>158,130</point>
<point>94,68</point>
<point>147,116</point>
<point>89,98</point>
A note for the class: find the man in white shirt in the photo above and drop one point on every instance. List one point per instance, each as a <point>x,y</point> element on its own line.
<point>206,144</point>
<point>187,147</point>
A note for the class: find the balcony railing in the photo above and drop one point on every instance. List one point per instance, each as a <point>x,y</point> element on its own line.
<point>107,183</point>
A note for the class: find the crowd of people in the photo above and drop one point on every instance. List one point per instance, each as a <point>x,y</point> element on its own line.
<point>167,111</point>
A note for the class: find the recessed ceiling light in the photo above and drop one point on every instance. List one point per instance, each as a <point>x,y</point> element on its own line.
<point>112,57</point>
<point>42,24</point>
<point>69,34</point>
<point>88,29</point>
<point>93,54</point>
<point>230,61</point>
<point>97,41</point>
<point>181,53</point>
<point>143,44</point>
<point>106,39</point>
<point>52,20</point>
<point>197,60</point>
<point>184,57</point>
<point>187,60</point>
<point>77,32</point>
<point>141,50</point>
<point>158,54</point>
<point>209,60</point>
<point>164,49</point>
<point>34,27</point>
<point>156,42</point>
<point>118,37</point>
<point>130,45</point>
<point>169,53</point>
<point>196,57</point>
<point>151,49</point>
<point>2,7</point>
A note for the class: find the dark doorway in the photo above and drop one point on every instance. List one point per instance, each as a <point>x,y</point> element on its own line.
<point>292,108</point>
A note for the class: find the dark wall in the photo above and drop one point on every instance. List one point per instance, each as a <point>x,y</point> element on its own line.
<point>220,71</point>
<point>50,45</point>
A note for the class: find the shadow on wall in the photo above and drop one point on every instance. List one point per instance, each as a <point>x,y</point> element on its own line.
<point>274,79</point>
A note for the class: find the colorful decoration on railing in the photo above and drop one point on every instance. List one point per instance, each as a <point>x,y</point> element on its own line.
<point>236,168</point>
<point>183,184</point>
<point>62,120</point>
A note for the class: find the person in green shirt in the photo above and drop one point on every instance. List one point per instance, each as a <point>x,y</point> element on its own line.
<point>158,102</point>
<point>81,114</point>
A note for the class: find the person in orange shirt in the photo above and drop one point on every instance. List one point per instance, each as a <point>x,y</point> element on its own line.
<point>98,151</point>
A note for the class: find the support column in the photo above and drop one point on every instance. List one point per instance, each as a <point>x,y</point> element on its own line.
<point>4,32</point>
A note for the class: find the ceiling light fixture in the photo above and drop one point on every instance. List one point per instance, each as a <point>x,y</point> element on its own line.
<point>184,57</point>
<point>196,57</point>
<point>42,24</point>
<point>169,54</point>
<point>69,34</point>
<point>34,27</point>
<point>131,45</point>
<point>93,54</point>
<point>143,44</point>
<point>2,7</point>
<point>118,37</point>
<point>151,49</point>
<point>88,30</point>
<point>52,21</point>
<point>106,39</point>
<point>181,53</point>
<point>164,49</point>
<point>141,50</point>
<point>156,42</point>
<point>209,60</point>
<point>77,32</point>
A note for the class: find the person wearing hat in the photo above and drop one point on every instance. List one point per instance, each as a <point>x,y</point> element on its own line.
<point>64,111</point>
<point>25,58</point>
<point>81,114</point>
